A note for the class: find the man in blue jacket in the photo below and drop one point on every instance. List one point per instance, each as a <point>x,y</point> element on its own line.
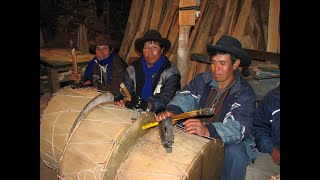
<point>233,99</point>
<point>266,127</point>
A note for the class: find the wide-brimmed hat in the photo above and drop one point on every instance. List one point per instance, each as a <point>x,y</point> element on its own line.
<point>105,40</point>
<point>152,35</point>
<point>232,46</point>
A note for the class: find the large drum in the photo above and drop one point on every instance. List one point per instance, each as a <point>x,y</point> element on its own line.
<point>59,117</point>
<point>100,141</point>
<point>192,157</point>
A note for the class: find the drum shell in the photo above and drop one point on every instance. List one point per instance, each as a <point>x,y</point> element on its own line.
<point>99,143</point>
<point>57,119</point>
<point>192,157</point>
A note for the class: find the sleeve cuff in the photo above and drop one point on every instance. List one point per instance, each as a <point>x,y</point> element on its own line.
<point>174,109</point>
<point>212,131</point>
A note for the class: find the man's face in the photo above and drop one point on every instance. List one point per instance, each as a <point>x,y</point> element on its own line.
<point>151,52</point>
<point>102,52</point>
<point>222,68</point>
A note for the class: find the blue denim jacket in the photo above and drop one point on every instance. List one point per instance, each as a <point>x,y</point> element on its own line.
<point>237,113</point>
<point>266,125</point>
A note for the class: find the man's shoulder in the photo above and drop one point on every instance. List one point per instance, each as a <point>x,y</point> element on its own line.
<point>242,86</point>
<point>136,62</point>
<point>119,60</point>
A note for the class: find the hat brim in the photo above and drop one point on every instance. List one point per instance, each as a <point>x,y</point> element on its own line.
<point>244,57</point>
<point>139,43</point>
<point>114,44</point>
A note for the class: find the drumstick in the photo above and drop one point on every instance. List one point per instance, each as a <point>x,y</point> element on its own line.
<point>74,64</point>
<point>125,91</point>
<point>201,112</point>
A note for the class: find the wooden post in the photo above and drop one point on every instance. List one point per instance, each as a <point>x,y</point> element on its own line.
<point>82,38</point>
<point>273,27</point>
<point>53,80</point>
<point>183,53</point>
<point>187,18</point>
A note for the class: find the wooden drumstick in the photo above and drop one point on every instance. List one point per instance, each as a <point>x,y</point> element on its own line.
<point>125,91</point>
<point>201,112</point>
<point>74,64</point>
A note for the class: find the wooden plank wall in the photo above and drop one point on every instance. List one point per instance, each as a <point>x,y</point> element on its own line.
<point>246,20</point>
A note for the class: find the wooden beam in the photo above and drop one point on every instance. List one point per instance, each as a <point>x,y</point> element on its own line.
<point>233,17</point>
<point>202,37</point>
<point>242,19</point>
<point>273,27</point>
<point>131,28</point>
<point>257,26</point>
<point>141,27</point>
<point>171,8</point>
<point>156,14</point>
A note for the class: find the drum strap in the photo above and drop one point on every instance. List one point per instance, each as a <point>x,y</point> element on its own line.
<point>216,103</point>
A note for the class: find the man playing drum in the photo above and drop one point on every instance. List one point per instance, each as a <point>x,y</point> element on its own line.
<point>224,89</point>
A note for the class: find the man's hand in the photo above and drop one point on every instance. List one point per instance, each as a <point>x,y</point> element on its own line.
<point>75,77</point>
<point>276,156</point>
<point>121,102</point>
<point>195,126</point>
<point>163,115</point>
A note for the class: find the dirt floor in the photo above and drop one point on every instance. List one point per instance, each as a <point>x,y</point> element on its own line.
<point>46,173</point>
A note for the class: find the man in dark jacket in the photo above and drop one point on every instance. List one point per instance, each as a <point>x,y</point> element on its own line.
<point>152,79</point>
<point>266,127</point>
<point>106,69</point>
<point>233,99</point>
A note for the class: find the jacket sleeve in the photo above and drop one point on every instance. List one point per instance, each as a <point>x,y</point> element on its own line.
<point>88,72</point>
<point>169,87</point>
<point>237,123</point>
<point>262,126</point>
<point>118,70</point>
<point>186,99</point>
<point>128,82</point>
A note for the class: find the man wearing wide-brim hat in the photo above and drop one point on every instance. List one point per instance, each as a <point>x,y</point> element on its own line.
<point>106,69</point>
<point>152,79</point>
<point>233,100</point>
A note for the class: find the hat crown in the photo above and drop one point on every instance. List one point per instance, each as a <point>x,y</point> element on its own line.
<point>152,34</point>
<point>229,41</point>
<point>103,40</point>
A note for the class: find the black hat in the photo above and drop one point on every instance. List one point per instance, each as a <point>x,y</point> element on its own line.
<point>232,46</point>
<point>151,35</point>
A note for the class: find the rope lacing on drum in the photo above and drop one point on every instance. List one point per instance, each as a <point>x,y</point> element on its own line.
<point>85,171</point>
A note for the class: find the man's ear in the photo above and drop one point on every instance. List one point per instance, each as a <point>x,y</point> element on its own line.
<point>236,64</point>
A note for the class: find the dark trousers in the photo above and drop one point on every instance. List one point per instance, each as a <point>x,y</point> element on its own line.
<point>235,162</point>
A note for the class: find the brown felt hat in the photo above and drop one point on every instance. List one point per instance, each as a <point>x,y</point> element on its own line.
<point>105,40</point>
<point>152,35</point>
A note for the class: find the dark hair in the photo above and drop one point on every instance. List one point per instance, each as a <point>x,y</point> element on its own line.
<point>233,57</point>
<point>155,41</point>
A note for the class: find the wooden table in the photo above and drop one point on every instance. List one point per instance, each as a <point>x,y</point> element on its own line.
<point>57,60</point>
